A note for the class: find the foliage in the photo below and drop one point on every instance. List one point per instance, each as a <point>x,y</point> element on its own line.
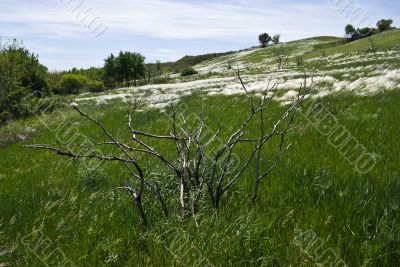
<point>384,24</point>
<point>185,62</point>
<point>12,104</point>
<point>21,75</point>
<point>159,67</point>
<point>20,67</point>
<point>276,39</point>
<point>123,69</point>
<point>72,84</point>
<point>110,71</point>
<point>349,29</point>
<point>352,34</point>
<point>190,61</point>
<point>95,86</point>
<point>189,72</point>
<point>264,39</point>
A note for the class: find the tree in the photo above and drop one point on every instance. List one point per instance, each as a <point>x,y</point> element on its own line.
<point>264,39</point>
<point>72,83</point>
<point>384,25</point>
<point>19,66</point>
<point>350,30</point>
<point>136,67</point>
<point>276,39</point>
<point>21,74</point>
<point>282,55</point>
<point>110,71</point>
<point>126,67</point>
<point>158,66</point>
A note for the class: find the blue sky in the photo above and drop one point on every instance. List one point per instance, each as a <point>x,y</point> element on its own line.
<point>81,33</point>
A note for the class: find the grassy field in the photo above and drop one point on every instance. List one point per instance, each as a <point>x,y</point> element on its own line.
<point>313,189</point>
<point>354,217</point>
<point>382,41</point>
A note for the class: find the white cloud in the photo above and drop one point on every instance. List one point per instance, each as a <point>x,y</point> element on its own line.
<point>172,19</point>
<point>185,27</point>
<point>195,20</point>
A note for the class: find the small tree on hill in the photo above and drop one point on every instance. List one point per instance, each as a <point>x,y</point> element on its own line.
<point>276,39</point>
<point>282,56</point>
<point>350,30</point>
<point>384,25</point>
<point>264,39</point>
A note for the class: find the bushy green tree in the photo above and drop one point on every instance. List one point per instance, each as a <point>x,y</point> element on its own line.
<point>349,29</point>
<point>110,71</point>
<point>95,86</point>
<point>136,67</point>
<point>72,84</point>
<point>21,78</point>
<point>264,39</point>
<point>125,68</point>
<point>19,67</point>
<point>12,104</point>
<point>384,25</point>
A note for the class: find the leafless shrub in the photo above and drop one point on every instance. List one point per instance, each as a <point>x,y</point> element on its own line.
<point>281,55</point>
<point>200,172</point>
<point>371,47</point>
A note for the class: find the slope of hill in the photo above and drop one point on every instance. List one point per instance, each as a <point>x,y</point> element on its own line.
<point>188,61</point>
<point>336,67</point>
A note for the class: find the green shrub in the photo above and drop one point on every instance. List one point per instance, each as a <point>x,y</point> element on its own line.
<point>95,86</point>
<point>161,80</point>
<point>13,105</point>
<point>189,71</point>
<point>72,84</point>
<point>4,115</point>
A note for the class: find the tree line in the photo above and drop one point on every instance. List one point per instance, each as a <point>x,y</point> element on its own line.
<point>353,34</point>
<point>23,76</point>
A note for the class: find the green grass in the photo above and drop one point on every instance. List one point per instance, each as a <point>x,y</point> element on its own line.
<point>383,41</point>
<point>313,189</point>
<point>293,48</point>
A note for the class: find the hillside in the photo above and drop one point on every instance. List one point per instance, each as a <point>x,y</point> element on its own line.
<point>316,192</point>
<point>337,67</point>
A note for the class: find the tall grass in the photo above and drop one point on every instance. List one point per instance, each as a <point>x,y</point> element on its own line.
<point>313,189</point>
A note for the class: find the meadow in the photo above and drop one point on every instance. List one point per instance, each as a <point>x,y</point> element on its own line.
<point>354,216</point>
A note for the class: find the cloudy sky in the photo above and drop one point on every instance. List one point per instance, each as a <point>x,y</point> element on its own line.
<point>81,33</point>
